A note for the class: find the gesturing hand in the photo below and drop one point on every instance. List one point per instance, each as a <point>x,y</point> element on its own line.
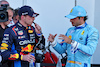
<point>51,37</point>
<point>65,38</point>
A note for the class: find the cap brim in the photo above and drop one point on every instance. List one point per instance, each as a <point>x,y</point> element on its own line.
<point>70,16</point>
<point>35,15</point>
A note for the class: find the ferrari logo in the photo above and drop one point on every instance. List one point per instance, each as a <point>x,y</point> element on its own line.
<point>82,32</point>
<point>71,10</point>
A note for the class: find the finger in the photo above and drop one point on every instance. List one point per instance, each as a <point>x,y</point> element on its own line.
<point>55,35</point>
<point>49,38</point>
<point>35,24</point>
<point>34,60</point>
<point>61,38</point>
<point>29,60</point>
<point>62,42</point>
<point>61,35</point>
<point>37,27</point>
<point>50,35</point>
<point>31,56</point>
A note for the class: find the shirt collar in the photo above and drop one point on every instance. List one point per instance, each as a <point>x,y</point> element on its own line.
<point>20,25</point>
<point>81,26</point>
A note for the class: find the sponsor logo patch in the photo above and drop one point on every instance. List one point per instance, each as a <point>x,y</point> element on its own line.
<point>20,32</point>
<point>70,36</point>
<point>30,31</point>
<point>20,37</point>
<point>82,32</point>
<point>6,34</point>
<point>28,48</point>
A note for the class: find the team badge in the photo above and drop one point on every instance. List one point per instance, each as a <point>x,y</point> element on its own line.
<point>82,32</point>
<point>70,36</point>
<point>16,29</point>
<point>30,31</point>
<point>20,32</point>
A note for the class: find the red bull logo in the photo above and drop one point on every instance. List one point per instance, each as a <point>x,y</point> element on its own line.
<point>14,56</point>
<point>4,46</point>
<point>28,48</point>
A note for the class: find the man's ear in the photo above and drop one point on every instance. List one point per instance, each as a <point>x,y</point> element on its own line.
<point>22,17</point>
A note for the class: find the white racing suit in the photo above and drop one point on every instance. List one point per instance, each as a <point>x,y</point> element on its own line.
<point>86,40</point>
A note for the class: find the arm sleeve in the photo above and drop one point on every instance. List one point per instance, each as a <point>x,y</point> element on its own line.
<point>6,46</point>
<point>92,41</point>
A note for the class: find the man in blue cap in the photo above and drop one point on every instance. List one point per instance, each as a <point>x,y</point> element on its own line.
<point>80,41</point>
<point>24,37</point>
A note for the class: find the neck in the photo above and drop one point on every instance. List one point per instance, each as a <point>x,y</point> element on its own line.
<point>81,23</point>
<point>23,23</point>
<point>2,25</point>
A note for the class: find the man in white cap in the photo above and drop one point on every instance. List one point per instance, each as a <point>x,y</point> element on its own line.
<point>80,41</point>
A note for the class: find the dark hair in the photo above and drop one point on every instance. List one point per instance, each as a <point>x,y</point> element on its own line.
<point>20,17</point>
<point>16,12</point>
<point>85,18</point>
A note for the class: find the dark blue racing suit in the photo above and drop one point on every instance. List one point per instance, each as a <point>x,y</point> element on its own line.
<point>24,39</point>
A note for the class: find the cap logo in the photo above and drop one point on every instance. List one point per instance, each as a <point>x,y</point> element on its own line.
<point>34,15</point>
<point>71,10</point>
<point>25,13</point>
<point>79,13</point>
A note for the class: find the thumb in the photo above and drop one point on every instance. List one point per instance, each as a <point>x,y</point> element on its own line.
<point>55,35</point>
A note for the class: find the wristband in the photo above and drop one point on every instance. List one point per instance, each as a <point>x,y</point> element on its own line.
<point>21,57</point>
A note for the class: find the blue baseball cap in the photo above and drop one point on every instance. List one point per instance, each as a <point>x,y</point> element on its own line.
<point>27,10</point>
<point>77,11</point>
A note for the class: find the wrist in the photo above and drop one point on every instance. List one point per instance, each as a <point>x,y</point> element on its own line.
<point>21,57</point>
<point>72,42</point>
<point>39,34</point>
<point>53,43</point>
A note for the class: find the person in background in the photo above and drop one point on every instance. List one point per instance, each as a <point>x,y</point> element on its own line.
<point>5,3</point>
<point>24,37</point>
<point>10,14</point>
<point>3,26</point>
<point>80,41</point>
<point>16,16</point>
<point>2,2</point>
